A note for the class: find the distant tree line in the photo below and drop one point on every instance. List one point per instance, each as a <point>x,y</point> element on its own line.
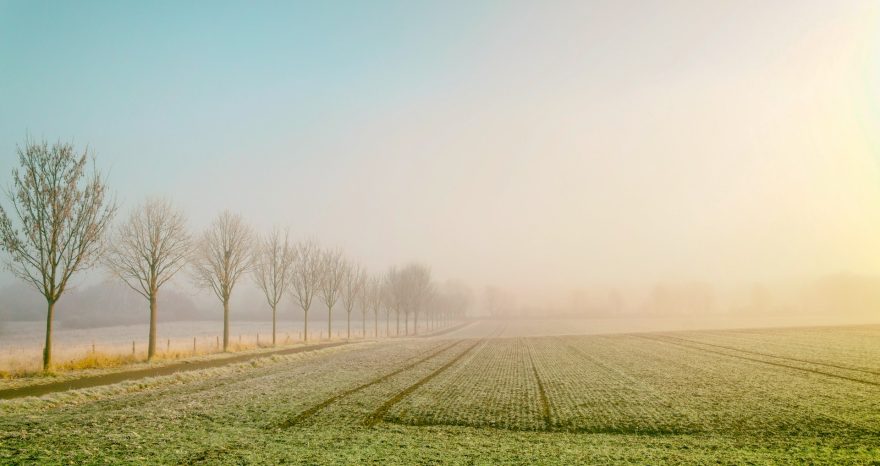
<point>57,222</point>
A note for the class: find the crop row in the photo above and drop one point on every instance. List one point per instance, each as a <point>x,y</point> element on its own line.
<point>854,348</point>
<point>493,387</point>
<point>631,384</point>
<point>711,392</point>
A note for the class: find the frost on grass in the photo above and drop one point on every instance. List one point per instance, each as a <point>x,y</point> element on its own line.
<point>610,399</point>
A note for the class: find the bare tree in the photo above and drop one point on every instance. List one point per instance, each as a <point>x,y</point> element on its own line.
<point>57,218</point>
<point>452,300</point>
<point>306,278</point>
<point>416,287</point>
<point>147,250</point>
<point>375,296</point>
<point>394,295</point>
<point>363,301</point>
<point>459,298</point>
<point>333,267</point>
<point>352,284</point>
<point>222,257</point>
<point>273,264</point>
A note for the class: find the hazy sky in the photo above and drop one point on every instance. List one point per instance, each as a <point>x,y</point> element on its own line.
<point>524,144</point>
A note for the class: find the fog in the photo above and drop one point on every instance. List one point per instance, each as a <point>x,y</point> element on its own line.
<point>713,164</point>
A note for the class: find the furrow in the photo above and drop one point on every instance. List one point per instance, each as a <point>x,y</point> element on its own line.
<point>771,363</point>
<point>757,353</point>
<point>379,414</point>
<point>318,407</point>
<point>542,393</point>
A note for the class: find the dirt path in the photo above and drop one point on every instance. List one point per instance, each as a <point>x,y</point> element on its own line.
<point>116,377</point>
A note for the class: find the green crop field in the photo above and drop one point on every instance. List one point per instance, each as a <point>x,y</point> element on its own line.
<point>738,396</point>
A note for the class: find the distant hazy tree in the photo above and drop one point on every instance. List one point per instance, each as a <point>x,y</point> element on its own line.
<point>222,258</point>
<point>416,288</point>
<point>453,300</point>
<point>394,291</point>
<point>306,278</point>
<point>434,307</point>
<point>273,264</point>
<point>333,267</point>
<point>375,297</point>
<point>58,214</point>
<point>147,250</point>
<point>363,300</point>
<point>352,284</point>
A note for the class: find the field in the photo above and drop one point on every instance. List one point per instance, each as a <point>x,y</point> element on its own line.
<point>484,394</point>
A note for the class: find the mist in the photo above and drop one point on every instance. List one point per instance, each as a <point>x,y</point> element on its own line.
<point>583,159</point>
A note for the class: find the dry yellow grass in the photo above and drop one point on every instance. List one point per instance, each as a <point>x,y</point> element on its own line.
<point>14,368</point>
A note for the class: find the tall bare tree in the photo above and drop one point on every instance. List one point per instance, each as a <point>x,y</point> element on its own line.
<point>333,267</point>
<point>222,258</point>
<point>147,250</point>
<point>454,300</point>
<point>352,284</point>
<point>394,296</point>
<point>273,264</point>
<point>415,281</point>
<point>375,298</point>
<point>57,216</point>
<point>363,300</point>
<point>306,278</point>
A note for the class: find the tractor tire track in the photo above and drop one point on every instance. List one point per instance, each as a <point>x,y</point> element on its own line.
<point>771,363</point>
<point>542,393</point>
<point>305,415</point>
<point>379,414</point>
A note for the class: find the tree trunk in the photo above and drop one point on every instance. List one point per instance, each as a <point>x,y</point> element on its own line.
<point>406,323</point>
<point>364,323</point>
<point>416,323</point>
<point>151,345</point>
<point>348,326</point>
<point>306,325</point>
<point>273,323</point>
<point>47,350</point>
<point>329,318</point>
<point>397,332</point>
<point>376,324</point>
<point>226,325</point>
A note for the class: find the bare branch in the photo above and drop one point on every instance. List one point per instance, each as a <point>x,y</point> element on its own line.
<point>149,248</point>
<point>273,265</point>
<point>223,255</point>
<point>56,222</point>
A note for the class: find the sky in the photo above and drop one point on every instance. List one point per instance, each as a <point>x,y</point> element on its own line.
<point>528,145</point>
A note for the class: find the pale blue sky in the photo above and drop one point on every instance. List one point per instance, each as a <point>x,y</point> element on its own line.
<point>175,84</point>
<point>540,144</point>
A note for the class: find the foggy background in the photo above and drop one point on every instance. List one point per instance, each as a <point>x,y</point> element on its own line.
<point>680,159</point>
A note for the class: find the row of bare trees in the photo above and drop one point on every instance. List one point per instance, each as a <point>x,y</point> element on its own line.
<point>59,221</point>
